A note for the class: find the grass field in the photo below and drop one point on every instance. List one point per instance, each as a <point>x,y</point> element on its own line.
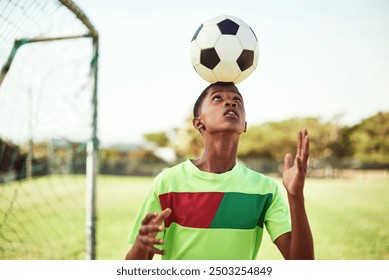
<point>348,218</point>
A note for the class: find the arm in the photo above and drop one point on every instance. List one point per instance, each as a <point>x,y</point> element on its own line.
<point>297,244</point>
<point>143,248</point>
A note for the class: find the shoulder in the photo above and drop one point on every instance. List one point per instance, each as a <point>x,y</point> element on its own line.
<point>169,175</point>
<point>173,171</point>
<point>260,180</point>
<point>254,175</point>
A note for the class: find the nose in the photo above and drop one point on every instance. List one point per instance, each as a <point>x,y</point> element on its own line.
<point>230,103</point>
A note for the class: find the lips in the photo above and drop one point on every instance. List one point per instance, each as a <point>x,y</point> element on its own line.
<point>231,112</point>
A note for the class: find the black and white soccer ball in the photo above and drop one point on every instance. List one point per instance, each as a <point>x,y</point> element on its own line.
<point>224,49</point>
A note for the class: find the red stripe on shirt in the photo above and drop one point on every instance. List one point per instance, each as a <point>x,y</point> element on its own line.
<point>191,209</point>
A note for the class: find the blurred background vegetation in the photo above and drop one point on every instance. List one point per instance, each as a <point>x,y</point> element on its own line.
<point>333,148</point>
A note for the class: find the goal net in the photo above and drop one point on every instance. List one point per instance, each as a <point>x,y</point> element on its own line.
<point>48,63</point>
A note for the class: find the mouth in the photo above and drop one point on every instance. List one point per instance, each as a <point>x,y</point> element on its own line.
<point>231,113</point>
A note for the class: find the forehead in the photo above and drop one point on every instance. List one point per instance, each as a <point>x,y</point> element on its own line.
<point>218,88</point>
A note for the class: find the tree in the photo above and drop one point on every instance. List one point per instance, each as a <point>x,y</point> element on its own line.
<point>370,139</point>
<point>159,138</point>
<point>342,148</point>
<point>273,140</point>
<point>189,142</point>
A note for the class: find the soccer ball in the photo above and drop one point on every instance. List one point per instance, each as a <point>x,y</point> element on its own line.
<point>224,49</point>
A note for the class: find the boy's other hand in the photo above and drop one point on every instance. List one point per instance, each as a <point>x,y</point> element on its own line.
<point>151,225</point>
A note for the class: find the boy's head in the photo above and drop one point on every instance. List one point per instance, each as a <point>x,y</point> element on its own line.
<point>199,102</point>
<point>219,108</point>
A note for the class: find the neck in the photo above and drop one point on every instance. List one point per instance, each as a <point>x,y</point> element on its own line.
<point>219,154</point>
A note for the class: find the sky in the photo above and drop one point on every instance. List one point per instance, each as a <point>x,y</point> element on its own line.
<point>326,59</point>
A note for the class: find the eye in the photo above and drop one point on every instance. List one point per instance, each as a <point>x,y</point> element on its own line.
<point>237,99</point>
<point>217,98</point>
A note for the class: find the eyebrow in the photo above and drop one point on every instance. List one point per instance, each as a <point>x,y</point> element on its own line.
<point>218,90</point>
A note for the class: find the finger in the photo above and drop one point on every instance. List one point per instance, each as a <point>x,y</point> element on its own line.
<point>158,251</point>
<point>163,215</point>
<point>146,229</point>
<point>287,161</point>
<point>299,164</point>
<point>299,143</point>
<point>305,151</point>
<point>305,132</point>
<point>149,242</point>
<point>148,218</point>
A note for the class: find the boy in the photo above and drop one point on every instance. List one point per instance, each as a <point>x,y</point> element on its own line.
<point>215,208</point>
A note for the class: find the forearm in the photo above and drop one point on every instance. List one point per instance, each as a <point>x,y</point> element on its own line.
<point>301,243</point>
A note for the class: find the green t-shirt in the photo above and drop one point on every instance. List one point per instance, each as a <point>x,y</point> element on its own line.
<point>215,216</point>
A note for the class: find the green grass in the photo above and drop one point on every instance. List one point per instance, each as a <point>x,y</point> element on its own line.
<point>43,218</point>
<point>118,200</point>
<point>348,218</point>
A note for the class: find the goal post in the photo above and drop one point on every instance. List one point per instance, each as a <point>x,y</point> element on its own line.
<point>46,93</point>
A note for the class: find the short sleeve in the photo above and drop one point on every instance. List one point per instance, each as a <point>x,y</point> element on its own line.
<point>150,204</point>
<point>277,218</point>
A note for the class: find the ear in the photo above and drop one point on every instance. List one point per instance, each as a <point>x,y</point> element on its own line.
<point>197,124</point>
<point>245,127</point>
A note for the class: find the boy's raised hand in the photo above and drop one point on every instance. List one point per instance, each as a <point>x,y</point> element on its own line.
<point>293,177</point>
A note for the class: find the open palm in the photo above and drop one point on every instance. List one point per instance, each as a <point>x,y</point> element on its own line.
<point>293,176</point>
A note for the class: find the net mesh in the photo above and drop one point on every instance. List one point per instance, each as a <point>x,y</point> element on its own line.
<point>45,97</point>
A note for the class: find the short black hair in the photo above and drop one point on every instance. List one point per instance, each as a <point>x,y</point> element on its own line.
<point>200,99</point>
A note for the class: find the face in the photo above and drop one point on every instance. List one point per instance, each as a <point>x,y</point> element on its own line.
<point>222,111</point>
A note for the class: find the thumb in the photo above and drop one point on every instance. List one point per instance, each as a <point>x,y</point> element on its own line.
<point>287,161</point>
